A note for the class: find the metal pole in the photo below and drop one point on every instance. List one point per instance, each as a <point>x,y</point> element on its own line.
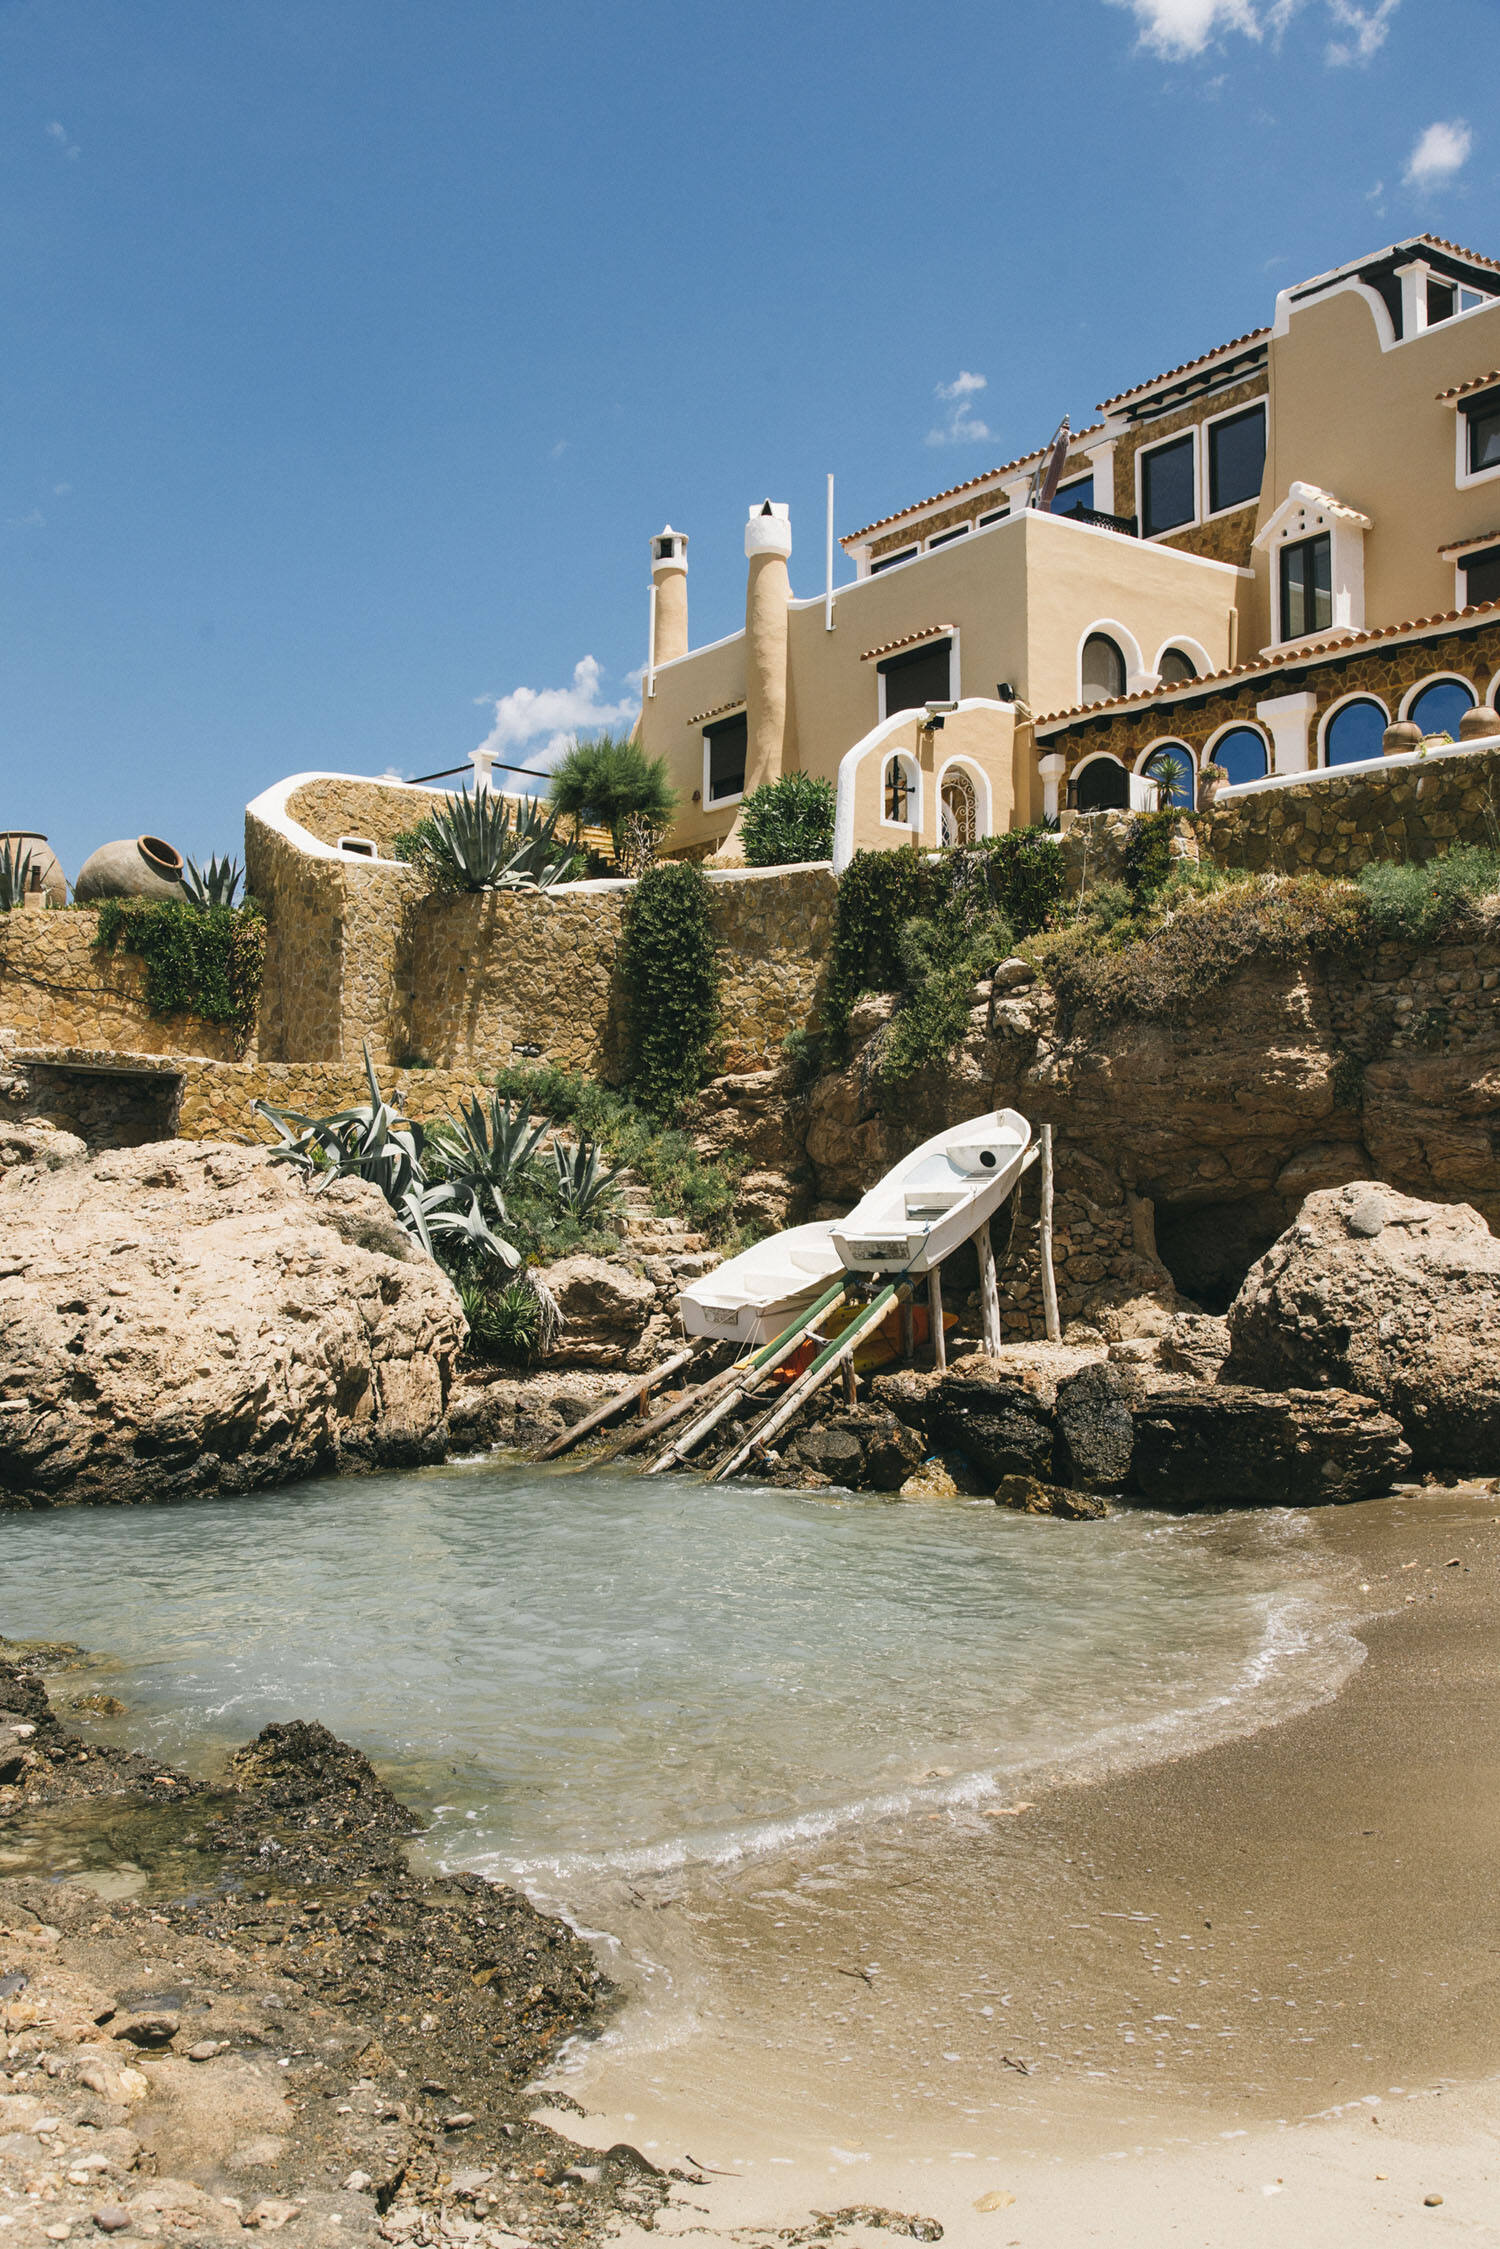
<point>989,1289</point>
<point>651,644</point>
<point>828,596</point>
<point>1049,1278</point>
<point>935,1319</point>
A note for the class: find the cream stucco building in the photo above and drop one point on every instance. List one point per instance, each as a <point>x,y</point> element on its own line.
<point>1206,557</point>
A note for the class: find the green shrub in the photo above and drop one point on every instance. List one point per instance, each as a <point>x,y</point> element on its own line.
<point>1024,872</point>
<point>669,971</point>
<point>1148,854</point>
<point>604,782</point>
<point>879,892</point>
<point>662,1157</point>
<point>788,820</point>
<point>485,842</point>
<point>205,961</point>
<point>508,1324</point>
<point>15,876</point>
<point>1420,902</point>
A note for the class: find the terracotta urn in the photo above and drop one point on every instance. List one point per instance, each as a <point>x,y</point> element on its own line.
<point>48,881</point>
<point>146,868</point>
<point>1401,736</point>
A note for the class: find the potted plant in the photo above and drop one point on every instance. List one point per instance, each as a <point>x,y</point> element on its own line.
<point>1211,778</point>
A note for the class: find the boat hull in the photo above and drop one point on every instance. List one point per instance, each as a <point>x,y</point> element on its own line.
<point>936,1198</point>
<point>752,1297</point>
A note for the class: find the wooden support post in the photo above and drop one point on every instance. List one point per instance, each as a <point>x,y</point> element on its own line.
<point>908,1328</point>
<point>1049,1277</point>
<point>935,1319</point>
<point>989,1289</point>
<point>851,1384</point>
<point>618,1404</point>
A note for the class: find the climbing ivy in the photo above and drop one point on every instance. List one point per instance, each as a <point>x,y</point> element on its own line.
<point>204,961</point>
<point>879,893</point>
<point>669,969</point>
<point>1148,854</point>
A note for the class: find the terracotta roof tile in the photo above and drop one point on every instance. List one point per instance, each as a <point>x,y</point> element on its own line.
<point>735,703</point>
<point>1006,468</point>
<point>1456,547</point>
<point>1235,343</point>
<point>907,640</point>
<point>1476,257</point>
<point>1475,382</point>
<point>1305,653</point>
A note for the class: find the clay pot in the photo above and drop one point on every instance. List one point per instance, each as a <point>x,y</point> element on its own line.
<point>1401,735</point>
<point>47,877</point>
<point>1479,723</point>
<point>147,868</point>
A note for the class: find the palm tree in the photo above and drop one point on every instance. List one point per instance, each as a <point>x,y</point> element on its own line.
<point>607,780</point>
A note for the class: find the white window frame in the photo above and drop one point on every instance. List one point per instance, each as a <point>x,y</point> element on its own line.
<point>1355,695</point>
<point>1465,479</point>
<point>713,803</point>
<point>1188,647</point>
<point>1137,680</point>
<point>1079,476</point>
<point>948,538</point>
<point>979,781</point>
<point>1166,742</point>
<point>1434,679</point>
<point>993,518</point>
<point>1205,483</point>
<point>881,563</point>
<point>1175,437</point>
<point>954,690</point>
<point>1463,554</point>
<point>1310,513</point>
<point>913,768</point>
<point>1236,726</point>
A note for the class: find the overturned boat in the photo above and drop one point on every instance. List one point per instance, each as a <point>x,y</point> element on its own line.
<point>752,1297</point>
<point>936,1197</point>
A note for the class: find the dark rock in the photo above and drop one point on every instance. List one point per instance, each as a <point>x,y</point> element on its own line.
<point>1027,1497</point>
<point>999,1426</point>
<point>1374,1291</point>
<point>149,2030</point>
<point>1223,1446</point>
<point>1096,1427</point>
<point>112,2217</point>
<point>865,1447</point>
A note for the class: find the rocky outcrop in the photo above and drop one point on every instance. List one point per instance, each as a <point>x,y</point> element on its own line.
<point>1217,1446</point>
<point>864,1447</point>
<point>1023,1495</point>
<point>1096,1427</point>
<point>996,1421</point>
<point>1373,1291</point>
<point>610,1312</point>
<point>185,1317</point>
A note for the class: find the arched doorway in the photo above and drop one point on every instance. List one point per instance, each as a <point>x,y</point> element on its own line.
<point>960,815</point>
<point>1102,785</point>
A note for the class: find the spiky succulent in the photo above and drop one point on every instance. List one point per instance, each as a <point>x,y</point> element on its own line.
<point>217,884</point>
<point>15,875</point>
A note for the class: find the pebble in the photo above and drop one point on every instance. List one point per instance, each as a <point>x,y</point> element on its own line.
<point>111,2218</point>
<point>996,2199</point>
<point>358,2182</point>
<point>149,2030</point>
<point>1431,2201</point>
<point>458,2120</point>
<point>205,2049</point>
<point>270,2216</point>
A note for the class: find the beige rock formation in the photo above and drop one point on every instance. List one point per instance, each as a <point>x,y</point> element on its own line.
<point>184,1317</point>
<point>1374,1291</point>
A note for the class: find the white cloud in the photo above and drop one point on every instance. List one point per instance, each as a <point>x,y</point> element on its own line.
<point>1367,28</point>
<point>62,490</point>
<point>527,714</point>
<point>963,426</point>
<point>1440,154</point>
<point>59,133</point>
<point>32,520</point>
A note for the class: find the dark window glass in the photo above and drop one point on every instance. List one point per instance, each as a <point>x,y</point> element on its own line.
<point>1483,418</point>
<point>1440,707</point>
<point>1482,575</point>
<point>1306,587</point>
<point>1242,753</point>
<point>946,538</point>
<point>1167,486</point>
<point>1103,669</point>
<point>996,515</point>
<point>889,561</point>
<point>1236,458</point>
<point>897,792</point>
<point>1171,768</point>
<point>1176,667</point>
<point>728,744</point>
<point>1355,733</point>
<point>917,676</point>
<point>1103,785</point>
<point>1069,498</point>
<point>1442,302</point>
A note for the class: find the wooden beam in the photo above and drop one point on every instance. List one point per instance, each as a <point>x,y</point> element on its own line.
<point>828,1363</point>
<point>935,1319</point>
<point>1049,1277</point>
<point>989,1289</point>
<point>638,1392</point>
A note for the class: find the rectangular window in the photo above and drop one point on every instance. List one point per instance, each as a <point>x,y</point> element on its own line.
<point>918,676</point>
<point>946,538</point>
<point>1236,458</point>
<point>1482,575</point>
<point>727,743</point>
<point>1167,496</point>
<point>1306,587</point>
<point>1442,302</point>
<point>889,561</point>
<point>1483,417</point>
<point>996,515</point>
<point>1070,499</point>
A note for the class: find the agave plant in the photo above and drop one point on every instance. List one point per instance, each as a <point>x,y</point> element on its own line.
<point>217,884</point>
<point>480,842</point>
<point>581,1180</point>
<point>15,875</point>
<point>486,1145</point>
<point>375,1142</point>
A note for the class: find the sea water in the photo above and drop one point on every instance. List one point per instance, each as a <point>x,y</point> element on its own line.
<point>583,1678</point>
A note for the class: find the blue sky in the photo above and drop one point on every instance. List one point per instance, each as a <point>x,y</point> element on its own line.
<point>354,350</point>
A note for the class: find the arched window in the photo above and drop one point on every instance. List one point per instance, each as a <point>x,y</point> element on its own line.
<point>1171,767</point>
<point>1103,785</point>
<point>1103,669</point>
<point>1176,667</point>
<point>1242,753</point>
<point>960,810</point>
<point>1355,732</point>
<point>1439,708</point>
<point>897,792</point>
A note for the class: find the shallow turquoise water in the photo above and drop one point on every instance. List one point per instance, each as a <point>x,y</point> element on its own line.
<point>581,1674</point>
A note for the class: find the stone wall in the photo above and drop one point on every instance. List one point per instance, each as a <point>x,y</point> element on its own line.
<point>340,804</point>
<point>1335,825</point>
<point>59,988</point>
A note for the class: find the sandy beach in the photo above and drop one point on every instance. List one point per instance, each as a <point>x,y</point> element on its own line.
<point>1242,1995</point>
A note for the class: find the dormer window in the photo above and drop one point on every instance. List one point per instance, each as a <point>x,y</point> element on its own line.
<point>1482,432</point>
<point>889,561</point>
<point>1306,587</point>
<point>1168,486</point>
<point>1076,498</point>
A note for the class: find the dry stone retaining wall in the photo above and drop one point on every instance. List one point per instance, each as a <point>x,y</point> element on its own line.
<point>59,988</point>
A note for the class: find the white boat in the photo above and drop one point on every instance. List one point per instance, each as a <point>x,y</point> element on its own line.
<point>936,1197</point>
<point>750,1298</point>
